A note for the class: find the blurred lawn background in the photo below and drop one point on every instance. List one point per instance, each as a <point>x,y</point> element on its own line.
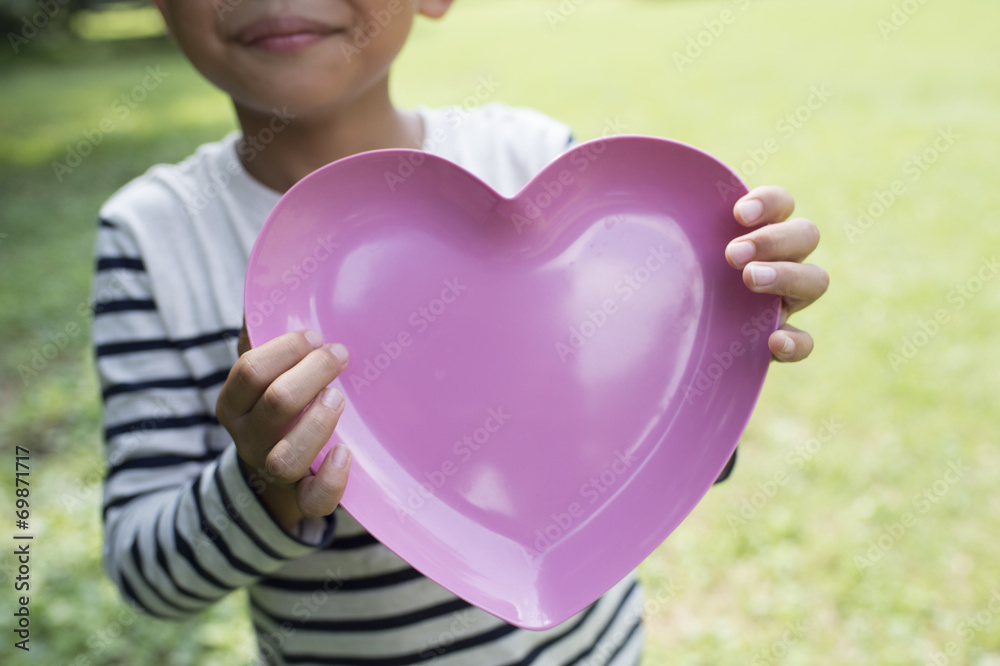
<point>802,557</point>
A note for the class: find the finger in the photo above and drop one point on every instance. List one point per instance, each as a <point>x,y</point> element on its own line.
<point>289,459</point>
<point>319,495</point>
<point>243,345</point>
<point>285,398</point>
<point>256,369</point>
<point>764,205</point>
<point>799,284</point>
<point>789,344</point>
<point>793,240</point>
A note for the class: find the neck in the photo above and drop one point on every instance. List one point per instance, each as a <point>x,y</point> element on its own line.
<point>281,149</point>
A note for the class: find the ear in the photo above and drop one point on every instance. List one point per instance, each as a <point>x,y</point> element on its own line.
<point>430,8</point>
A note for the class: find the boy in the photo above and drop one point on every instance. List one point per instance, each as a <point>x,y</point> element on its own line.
<point>208,486</point>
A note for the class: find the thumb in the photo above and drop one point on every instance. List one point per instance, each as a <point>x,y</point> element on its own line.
<point>243,346</point>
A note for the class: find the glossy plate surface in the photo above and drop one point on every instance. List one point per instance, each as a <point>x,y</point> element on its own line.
<point>540,388</point>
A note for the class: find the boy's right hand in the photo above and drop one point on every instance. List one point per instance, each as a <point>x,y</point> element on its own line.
<point>266,391</point>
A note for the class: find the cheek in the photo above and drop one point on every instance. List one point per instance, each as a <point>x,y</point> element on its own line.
<point>193,29</point>
<point>386,43</point>
<point>382,26</point>
<point>211,62</point>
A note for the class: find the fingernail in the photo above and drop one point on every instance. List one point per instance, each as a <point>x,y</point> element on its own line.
<point>789,345</point>
<point>751,210</point>
<point>341,456</point>
<point>762,275</point>
<point>741,252</point>
<point>314,338</point>
<point>339,351</point>
<point>332,398</point>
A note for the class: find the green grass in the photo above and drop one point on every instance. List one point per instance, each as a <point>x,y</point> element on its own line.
<point>740,584</point>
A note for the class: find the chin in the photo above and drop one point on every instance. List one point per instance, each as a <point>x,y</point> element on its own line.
<point>307,91</point>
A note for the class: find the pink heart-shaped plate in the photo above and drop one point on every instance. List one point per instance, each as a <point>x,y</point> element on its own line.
<point>540,388</point>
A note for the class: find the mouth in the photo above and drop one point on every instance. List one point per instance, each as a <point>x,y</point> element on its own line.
<point>284,34</point>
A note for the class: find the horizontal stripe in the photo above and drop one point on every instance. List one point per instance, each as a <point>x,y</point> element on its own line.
<point>371,624</point>
<point>348,585</point>
<point>351,542</point>
<point>579,632</point>
<point>124,305</point>
<point>404,660</point>
<point>125,499</point>
<point>133,346</point>
<point>358,605</point>
<point>167,383</point>
<point>160,461</point>
<point>170,423</point>
<point>128,263</point>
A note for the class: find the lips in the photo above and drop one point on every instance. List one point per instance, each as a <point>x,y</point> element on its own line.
<point>283,34</point>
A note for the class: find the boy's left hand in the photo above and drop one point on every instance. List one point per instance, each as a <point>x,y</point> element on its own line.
<point>771,258</point>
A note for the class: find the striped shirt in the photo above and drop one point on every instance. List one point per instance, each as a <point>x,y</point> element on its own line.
<point>183,527</point>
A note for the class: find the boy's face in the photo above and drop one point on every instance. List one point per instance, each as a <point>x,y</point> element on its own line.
<point>311,56</point>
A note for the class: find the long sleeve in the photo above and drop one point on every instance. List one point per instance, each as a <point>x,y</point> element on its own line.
<point>182,525</point>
